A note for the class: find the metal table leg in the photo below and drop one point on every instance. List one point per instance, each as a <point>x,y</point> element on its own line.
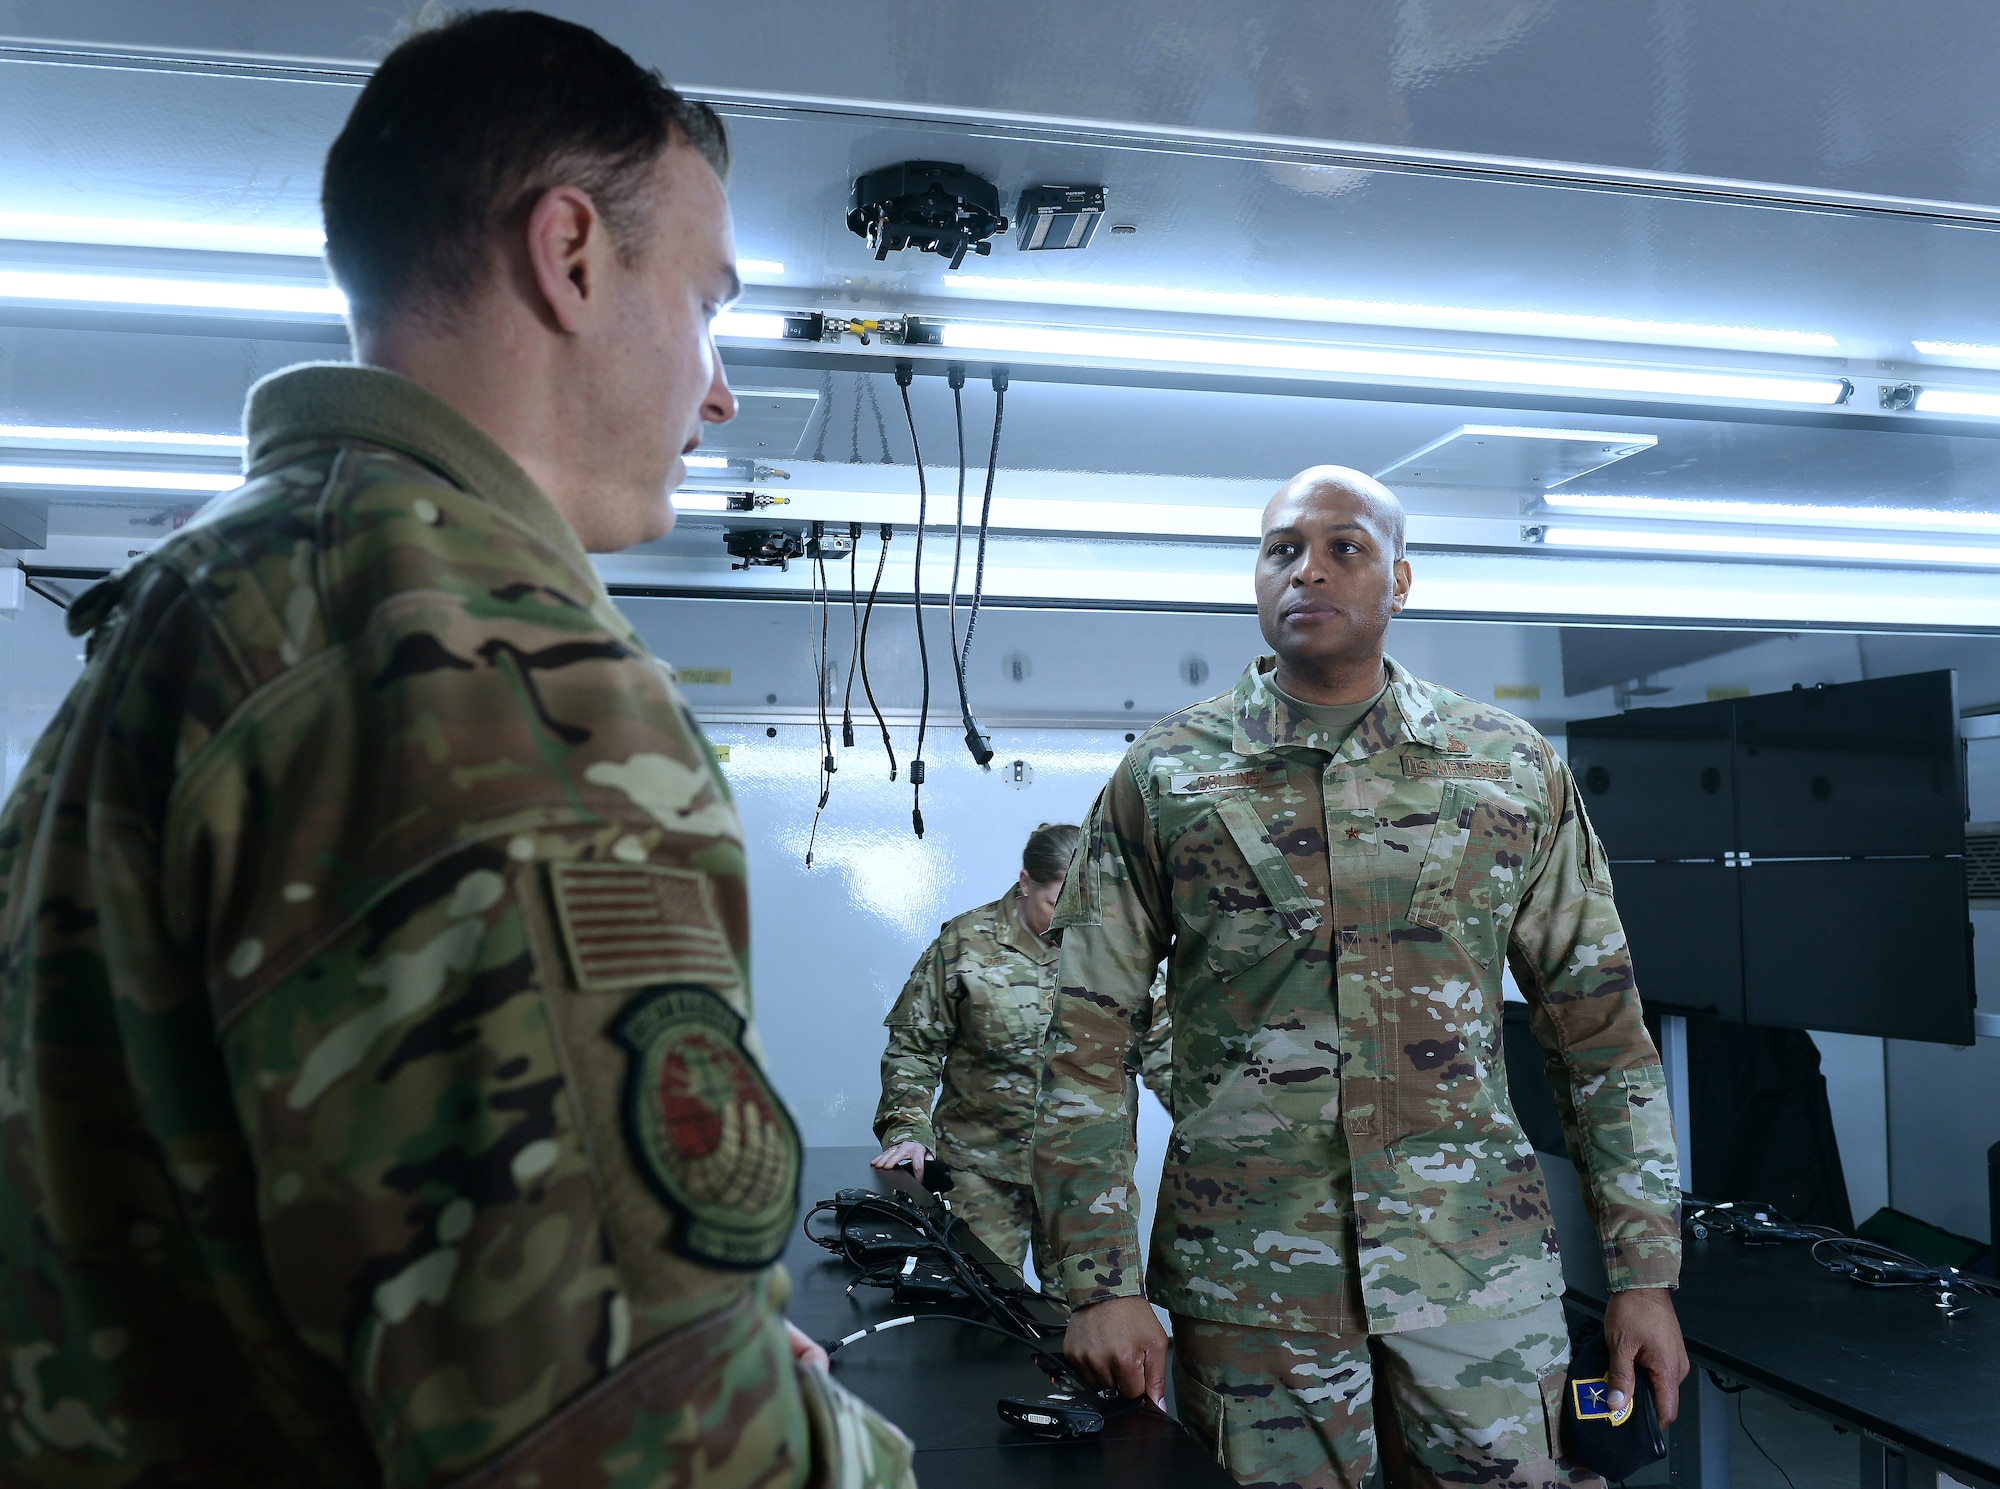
<point>1882,1466</point>
<point>1698,1443</point>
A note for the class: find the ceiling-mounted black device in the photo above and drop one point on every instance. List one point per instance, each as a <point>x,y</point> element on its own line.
<point>1058,216</point>
<point>928,204</point>
<point>763,547</point>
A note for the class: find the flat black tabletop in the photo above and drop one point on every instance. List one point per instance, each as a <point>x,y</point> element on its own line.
<point>1885,1360</point>
<point>941,1383</point>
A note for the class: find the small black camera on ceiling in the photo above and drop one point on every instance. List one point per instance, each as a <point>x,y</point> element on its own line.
<point>927,204</point>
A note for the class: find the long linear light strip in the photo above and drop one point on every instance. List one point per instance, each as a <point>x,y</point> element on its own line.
<point>1368,362</point>
<point>1951,401</point>
<point>65,288</point>
<point>1753,545</point>
<point>1394,313</point>
<point>58,433</point>
<point>1354,362</point>
<point>85,478</point>
<point>1718,509</point>
<point>152,232</point>
<point>1034,515</point>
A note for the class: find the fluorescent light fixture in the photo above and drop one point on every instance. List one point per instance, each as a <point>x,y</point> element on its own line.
<point>759,267</point>
<point>754,325</point>
<point>1949,401</point>
<point>1394,313</point>
<point>148,232</point>
<point>701,501</point>
<point>267,297</point>
<point>1453,368</point>
<point>1808,514</point>
<point>1753,545</point>
<point>63,434</point>
<point>118,480</point>
<point>1960,351</point>
<point>705,462</point>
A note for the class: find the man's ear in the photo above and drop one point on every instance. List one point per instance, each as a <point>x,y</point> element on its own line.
<point>565,236</point>
<point>1400,596</point>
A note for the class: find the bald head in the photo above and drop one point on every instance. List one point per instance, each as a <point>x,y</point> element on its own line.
<point>1331,572</point>
<point>1373,503</point>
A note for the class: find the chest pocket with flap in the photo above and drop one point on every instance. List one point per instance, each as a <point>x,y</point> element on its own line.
<point>1471,880</point>
<point>1235,892</point>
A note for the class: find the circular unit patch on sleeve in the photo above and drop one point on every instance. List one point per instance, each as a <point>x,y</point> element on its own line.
<point>705,1128</point>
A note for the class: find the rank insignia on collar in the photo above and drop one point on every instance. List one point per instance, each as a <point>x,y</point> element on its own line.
<point>1593,1402</point>
<point>1199,782</point>
<point>705,1129</point>
<point>1448,769</point>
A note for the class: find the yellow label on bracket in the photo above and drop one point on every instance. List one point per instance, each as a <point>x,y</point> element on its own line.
<point>715,676</point>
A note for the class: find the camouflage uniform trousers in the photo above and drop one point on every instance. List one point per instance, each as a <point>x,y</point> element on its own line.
<point>1003,1216</point>
<point>1476,1403</point>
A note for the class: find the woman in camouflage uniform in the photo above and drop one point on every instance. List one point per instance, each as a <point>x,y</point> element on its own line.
<point>971,1017</point>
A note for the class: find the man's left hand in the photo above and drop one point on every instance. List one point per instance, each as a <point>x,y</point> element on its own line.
<point>805,1349</point>
<point>1644,1332</point>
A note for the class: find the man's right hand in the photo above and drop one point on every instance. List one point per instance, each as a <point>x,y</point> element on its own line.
<point>914,1154</point>
<point>1119,1343</point>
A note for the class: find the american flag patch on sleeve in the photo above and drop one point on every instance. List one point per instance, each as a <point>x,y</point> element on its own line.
<point>628,925</point>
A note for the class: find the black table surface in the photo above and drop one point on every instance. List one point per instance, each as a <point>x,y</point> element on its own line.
<point>1884,1360</point>
<point>941,1383</point>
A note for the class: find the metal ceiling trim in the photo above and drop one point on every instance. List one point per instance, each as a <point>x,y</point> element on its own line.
<point>686,589</point>
<point>934,362</point>
<point>1355,155</point>
<point>1103,133</point>
<point>324,71</point>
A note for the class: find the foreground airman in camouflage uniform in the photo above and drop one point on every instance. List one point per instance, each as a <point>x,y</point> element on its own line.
<point>378,1097</point>
<point>971,1019</point>
<point>1337,908</point>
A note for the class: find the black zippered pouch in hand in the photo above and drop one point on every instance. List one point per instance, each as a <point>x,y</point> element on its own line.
<point>1615,1444</point>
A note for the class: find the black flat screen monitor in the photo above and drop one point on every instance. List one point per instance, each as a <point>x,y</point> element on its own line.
<point>1657,782</point>
<point>1858,946</point>
<point>1859,770</point>
<point>1684,928</point>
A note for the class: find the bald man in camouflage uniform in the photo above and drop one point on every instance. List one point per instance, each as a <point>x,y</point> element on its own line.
<point>1338,860</point>
<point>970,1020</point>
<point>379,1102</point>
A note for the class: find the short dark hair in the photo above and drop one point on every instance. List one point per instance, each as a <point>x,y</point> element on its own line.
<point>1046,858</point>
<point>462,129</point>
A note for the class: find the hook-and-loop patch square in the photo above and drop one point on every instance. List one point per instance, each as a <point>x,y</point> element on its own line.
<point>628,925</point>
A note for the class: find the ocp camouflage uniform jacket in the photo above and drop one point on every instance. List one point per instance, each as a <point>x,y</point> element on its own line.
<point>1336,919</point>
<point>377,1097</point>
<point>972,1017</point>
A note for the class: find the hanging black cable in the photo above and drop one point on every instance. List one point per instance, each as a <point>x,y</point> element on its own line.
<point>868,614</point>
<point>975,741</point>
<point>905,372</point>
<point>854,642</point>
<point>979,743</point>
<point>821,672</point>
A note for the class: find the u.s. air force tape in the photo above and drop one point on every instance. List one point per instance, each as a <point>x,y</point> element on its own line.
<point>705,1128</point>
<point>1457,768</point>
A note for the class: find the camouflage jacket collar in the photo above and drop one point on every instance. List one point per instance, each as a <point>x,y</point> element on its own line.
<point>326,403</point>
<point>1264,720</point>
<point>1015,934</point>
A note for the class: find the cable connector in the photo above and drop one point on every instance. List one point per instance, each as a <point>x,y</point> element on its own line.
<point>999,379</point>
<point>981,745</point>
<point>906,373</point>
<point>954,375</point>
